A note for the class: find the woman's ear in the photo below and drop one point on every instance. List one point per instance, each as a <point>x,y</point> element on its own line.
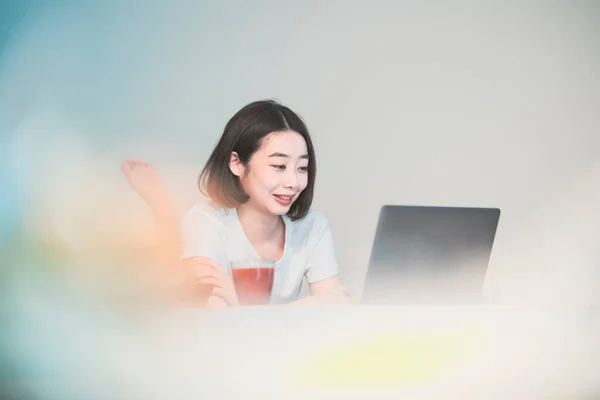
<point>235,165</point>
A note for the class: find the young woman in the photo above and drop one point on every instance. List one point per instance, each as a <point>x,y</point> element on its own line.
<point>259,183</point>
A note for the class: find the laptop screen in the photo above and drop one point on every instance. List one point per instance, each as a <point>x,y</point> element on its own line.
<point>430,255</point>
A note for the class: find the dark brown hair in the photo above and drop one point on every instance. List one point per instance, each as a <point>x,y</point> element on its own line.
<point>244,134</point>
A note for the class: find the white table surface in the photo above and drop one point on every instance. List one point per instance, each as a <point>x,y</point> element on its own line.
<point>273,352</point>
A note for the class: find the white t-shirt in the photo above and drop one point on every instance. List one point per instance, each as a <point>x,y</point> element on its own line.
<point>216,233</point>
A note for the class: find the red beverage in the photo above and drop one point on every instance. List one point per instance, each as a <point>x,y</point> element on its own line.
<point>253,281</point>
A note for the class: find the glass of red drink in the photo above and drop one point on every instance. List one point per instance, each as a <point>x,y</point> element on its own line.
<point>253,280</point>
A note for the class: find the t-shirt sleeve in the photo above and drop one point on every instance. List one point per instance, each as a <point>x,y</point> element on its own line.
<point>202,236</point>
<point>322,262</point>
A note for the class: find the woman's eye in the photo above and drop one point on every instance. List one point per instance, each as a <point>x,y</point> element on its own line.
<point>279,167</point>
<point>303,169</point>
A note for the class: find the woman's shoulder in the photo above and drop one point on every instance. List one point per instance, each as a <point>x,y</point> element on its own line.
<point>309,231</point>
<point>313,220</point>
<point>206,209</point>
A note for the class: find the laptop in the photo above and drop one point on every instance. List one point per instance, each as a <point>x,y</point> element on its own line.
<point>424,255</point>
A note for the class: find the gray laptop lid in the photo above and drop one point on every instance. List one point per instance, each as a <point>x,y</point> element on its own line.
<point>430,255</point>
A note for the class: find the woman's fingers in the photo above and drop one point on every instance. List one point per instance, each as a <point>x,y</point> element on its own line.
<point>201,271</point>
<point>212,280</point>
<point>200,266</point>
<point>226,294</point>
<point>204,261</point>
<point>205,271</point>
<point>216,302</point>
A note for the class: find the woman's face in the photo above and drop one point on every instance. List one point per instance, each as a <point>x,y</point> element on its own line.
<point>276,173</point>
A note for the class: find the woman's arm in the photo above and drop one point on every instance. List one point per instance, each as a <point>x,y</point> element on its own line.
<point>147,182</point>
<point>326,291</point>
<point>168,236</point>
<point>322,271</point>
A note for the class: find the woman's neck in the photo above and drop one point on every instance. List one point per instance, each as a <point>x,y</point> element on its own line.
<point>259,226</point>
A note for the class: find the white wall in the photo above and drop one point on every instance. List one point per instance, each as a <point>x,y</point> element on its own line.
<point>438,103</point>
